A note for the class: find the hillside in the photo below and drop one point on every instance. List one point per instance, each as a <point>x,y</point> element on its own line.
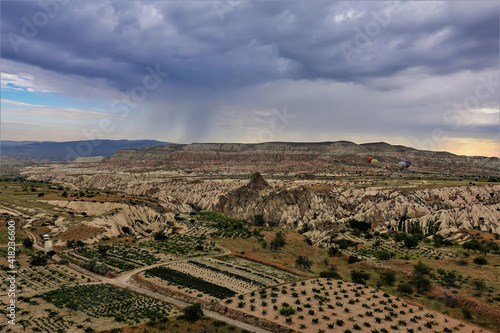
<point>284,156</point>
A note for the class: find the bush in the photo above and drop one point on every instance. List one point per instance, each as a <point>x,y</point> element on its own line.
<point>333,251</point>
<point>287,311</point>
<point>259,220</point>
<point>467,314</point>
<point>193,312</point>
<point>28,243</point>
<point>353,259</point>
<point>388,278</point>
<point>360,225</point>
<point>359,276</point>
<point>383,255</point>
<point>329,274</point>
<point>405,288</point>
<point>38,260</point>
<point>480,261</point>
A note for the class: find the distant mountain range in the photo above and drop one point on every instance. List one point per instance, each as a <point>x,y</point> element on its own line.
<point>288,155</point>
<point>69,151</point>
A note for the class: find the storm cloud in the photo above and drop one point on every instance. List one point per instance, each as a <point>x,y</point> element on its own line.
<point>360,71</point>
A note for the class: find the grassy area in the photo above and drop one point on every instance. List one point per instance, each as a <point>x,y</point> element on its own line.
<point>285,256</point>
<point>4,235</point>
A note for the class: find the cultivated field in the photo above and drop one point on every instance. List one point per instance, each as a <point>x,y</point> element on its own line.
<point>39,278</point>
<point>322,305</point>
<point>87,308</point>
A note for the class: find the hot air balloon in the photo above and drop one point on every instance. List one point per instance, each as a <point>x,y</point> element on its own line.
<point>388,167</point>
<point>402,166</point>
<point>375,162</point>
<point>408,163</point>
<point>369,159</point>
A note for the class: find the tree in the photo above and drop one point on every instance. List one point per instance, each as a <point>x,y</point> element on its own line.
<point>103,249</point>
<point>360,225</point>
<point>259,220</point>
<point>193,312</point>
<point>278,241</point>
<point>421,268</point>
<point>51,253</point>
<point>353,259</point>
<point>472,245</point>
<point>331,273</point>
<point>71,244</point>
<point>388,278</point>
<point>303,263</point>
<point>449,278</point>
<point>79,243</point>
<point>333,251</point>
<point>419,279</point>
<point>359,276</point>
<point>101,269</point>
<point>411,242</point>
<point>479,285</point>
<point>421,282</point>
<point>28,243</point>
<point>438,240</point>
<point>160,236</point>
<point>38,260</point>
<point>383,255</point>
<point>73,305</point>
<point>399,237</point>
<point>405,288</point>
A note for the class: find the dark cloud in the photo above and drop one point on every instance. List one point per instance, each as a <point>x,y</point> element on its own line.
<point>250,56</point>
<point>254,42</point>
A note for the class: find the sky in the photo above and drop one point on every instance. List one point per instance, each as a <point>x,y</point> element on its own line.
<point>423,74</point>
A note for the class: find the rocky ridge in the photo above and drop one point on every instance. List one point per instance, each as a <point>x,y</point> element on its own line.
<point>272,155</point>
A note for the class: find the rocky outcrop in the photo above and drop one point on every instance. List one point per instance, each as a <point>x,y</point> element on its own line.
<point>444,210</point>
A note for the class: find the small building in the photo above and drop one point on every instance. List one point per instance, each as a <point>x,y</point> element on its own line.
<point>45,237</point>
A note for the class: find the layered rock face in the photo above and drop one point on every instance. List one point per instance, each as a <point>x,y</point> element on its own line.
<point>285,155</point>
<point>323,205</point>
<point>443,210</point>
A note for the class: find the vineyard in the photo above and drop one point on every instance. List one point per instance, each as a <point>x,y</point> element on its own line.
<point>86,308</point>
<point>39,278</point>
<point>256,268</point>
<point>215,274</point>
<point>322,305</point>
<point>120,257</point>
<point>185,280</point>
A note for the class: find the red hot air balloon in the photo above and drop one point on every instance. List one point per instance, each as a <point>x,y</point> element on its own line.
<point>369,159</point>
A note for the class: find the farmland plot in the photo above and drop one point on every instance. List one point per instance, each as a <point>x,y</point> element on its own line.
<point>41,278</point>
<point>336,306</point>
<point>213,278</point>
<point>121,257</point>
<point>256,267</point>
<point>98,306</point>
<point>184,280</point>
<point>368,250</point>
<point>220,276</point>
